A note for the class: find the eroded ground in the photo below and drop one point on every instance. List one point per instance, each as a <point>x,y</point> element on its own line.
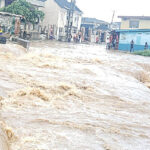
<point>62,96</point>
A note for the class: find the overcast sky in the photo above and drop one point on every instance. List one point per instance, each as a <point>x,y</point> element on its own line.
<point>103,9</point>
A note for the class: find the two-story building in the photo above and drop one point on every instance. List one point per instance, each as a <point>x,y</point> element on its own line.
<point>56,17</point>
<point>136,28</point>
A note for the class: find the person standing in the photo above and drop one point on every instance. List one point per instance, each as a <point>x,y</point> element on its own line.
<point>132,46</point>
<point>146,46</point>
<point>1,31</point>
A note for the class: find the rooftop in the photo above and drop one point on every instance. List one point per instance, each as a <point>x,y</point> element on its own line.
<point>9,14</point>
<point>39,3</point>
<point>133,30</point>
<point>66,5</point>
<point>92,21</point>
<point>135,17</point>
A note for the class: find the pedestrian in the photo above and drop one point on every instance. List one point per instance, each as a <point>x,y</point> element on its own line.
<point>146,46</point>
<point>1,31</point>
<point>107,43</point>
<point>24,34</point>
<point>132,46</point>
<point>97,40</point>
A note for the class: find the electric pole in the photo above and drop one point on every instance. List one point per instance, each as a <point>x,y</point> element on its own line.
<point>112,18</point>
<point>70,19</point>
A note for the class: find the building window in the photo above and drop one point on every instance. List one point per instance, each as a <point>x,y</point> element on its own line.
<point>60,30</point>
<point>134,24</point>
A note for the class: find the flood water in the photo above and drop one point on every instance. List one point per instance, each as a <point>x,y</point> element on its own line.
<point>61,96</point>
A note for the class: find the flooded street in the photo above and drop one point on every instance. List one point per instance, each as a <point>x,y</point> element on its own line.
<point>62,96</point>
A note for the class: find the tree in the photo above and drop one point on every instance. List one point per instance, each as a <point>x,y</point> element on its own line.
<point>26,9</point>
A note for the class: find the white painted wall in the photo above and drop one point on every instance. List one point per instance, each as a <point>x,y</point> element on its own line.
<point>57,16</point>
<point>51,11</point>
<point>77,17</point>
<point>2,3</point>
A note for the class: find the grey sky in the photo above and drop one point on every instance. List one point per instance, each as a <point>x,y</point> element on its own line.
<point>103,9</point>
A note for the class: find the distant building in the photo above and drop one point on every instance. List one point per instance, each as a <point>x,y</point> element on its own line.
<point>56,17</point>
<point>136,28</point>
<point>94,29</point>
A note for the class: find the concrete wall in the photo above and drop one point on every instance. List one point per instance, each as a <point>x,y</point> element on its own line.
<point>143,24</point>
<point>139,39</point>
<point>77,17</point>
<point>2,3</point>
<point>124,24</point>
<point>51,11</point>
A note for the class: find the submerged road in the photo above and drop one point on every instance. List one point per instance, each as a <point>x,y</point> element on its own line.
<point>62,96</point>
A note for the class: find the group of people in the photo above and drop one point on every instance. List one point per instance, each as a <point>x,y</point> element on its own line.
<point>112,42</point>
<point>132,46</point>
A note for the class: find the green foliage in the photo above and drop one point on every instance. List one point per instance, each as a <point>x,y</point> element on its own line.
<point>143,53</point>
<point>21,7</point>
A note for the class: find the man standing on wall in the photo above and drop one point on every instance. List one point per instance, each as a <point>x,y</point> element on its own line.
<point>132,46</point>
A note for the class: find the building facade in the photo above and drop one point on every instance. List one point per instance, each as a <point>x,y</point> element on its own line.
<point>139,36</point>
<point>136,28</point>
<point>56,18</point>
<point>135,22</point>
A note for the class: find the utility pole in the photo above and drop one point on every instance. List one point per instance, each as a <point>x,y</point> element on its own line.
<point>70,19</point>
<point>112,18</point>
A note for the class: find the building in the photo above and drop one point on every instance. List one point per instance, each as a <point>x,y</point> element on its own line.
<point>56,18</point>
<point>135,22</point>
<point>136,28</point>
<point>94,29</point>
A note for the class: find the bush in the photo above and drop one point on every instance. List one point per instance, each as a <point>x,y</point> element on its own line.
<point>143,53</point>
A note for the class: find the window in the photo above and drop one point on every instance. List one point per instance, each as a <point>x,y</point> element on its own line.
<point>60,30</point>
<point>134,24</point>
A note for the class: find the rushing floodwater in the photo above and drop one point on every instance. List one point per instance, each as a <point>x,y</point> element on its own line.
<point>61,96</point>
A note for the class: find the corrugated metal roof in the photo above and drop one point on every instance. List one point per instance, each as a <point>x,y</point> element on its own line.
<point>9,14</point>
<point>135,17</point>
<point>133,30</point>
<point>92,20</point>
<point>66,5</point>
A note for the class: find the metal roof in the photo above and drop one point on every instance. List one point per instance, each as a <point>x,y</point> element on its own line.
<point>66,5</point>
<point>9,14</point>
<point>133,30</point>
<point>39,3</point>
<point>86,20</point>
<point>135,17</point>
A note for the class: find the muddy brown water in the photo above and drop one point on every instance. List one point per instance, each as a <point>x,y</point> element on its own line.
<point>61,96</point>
